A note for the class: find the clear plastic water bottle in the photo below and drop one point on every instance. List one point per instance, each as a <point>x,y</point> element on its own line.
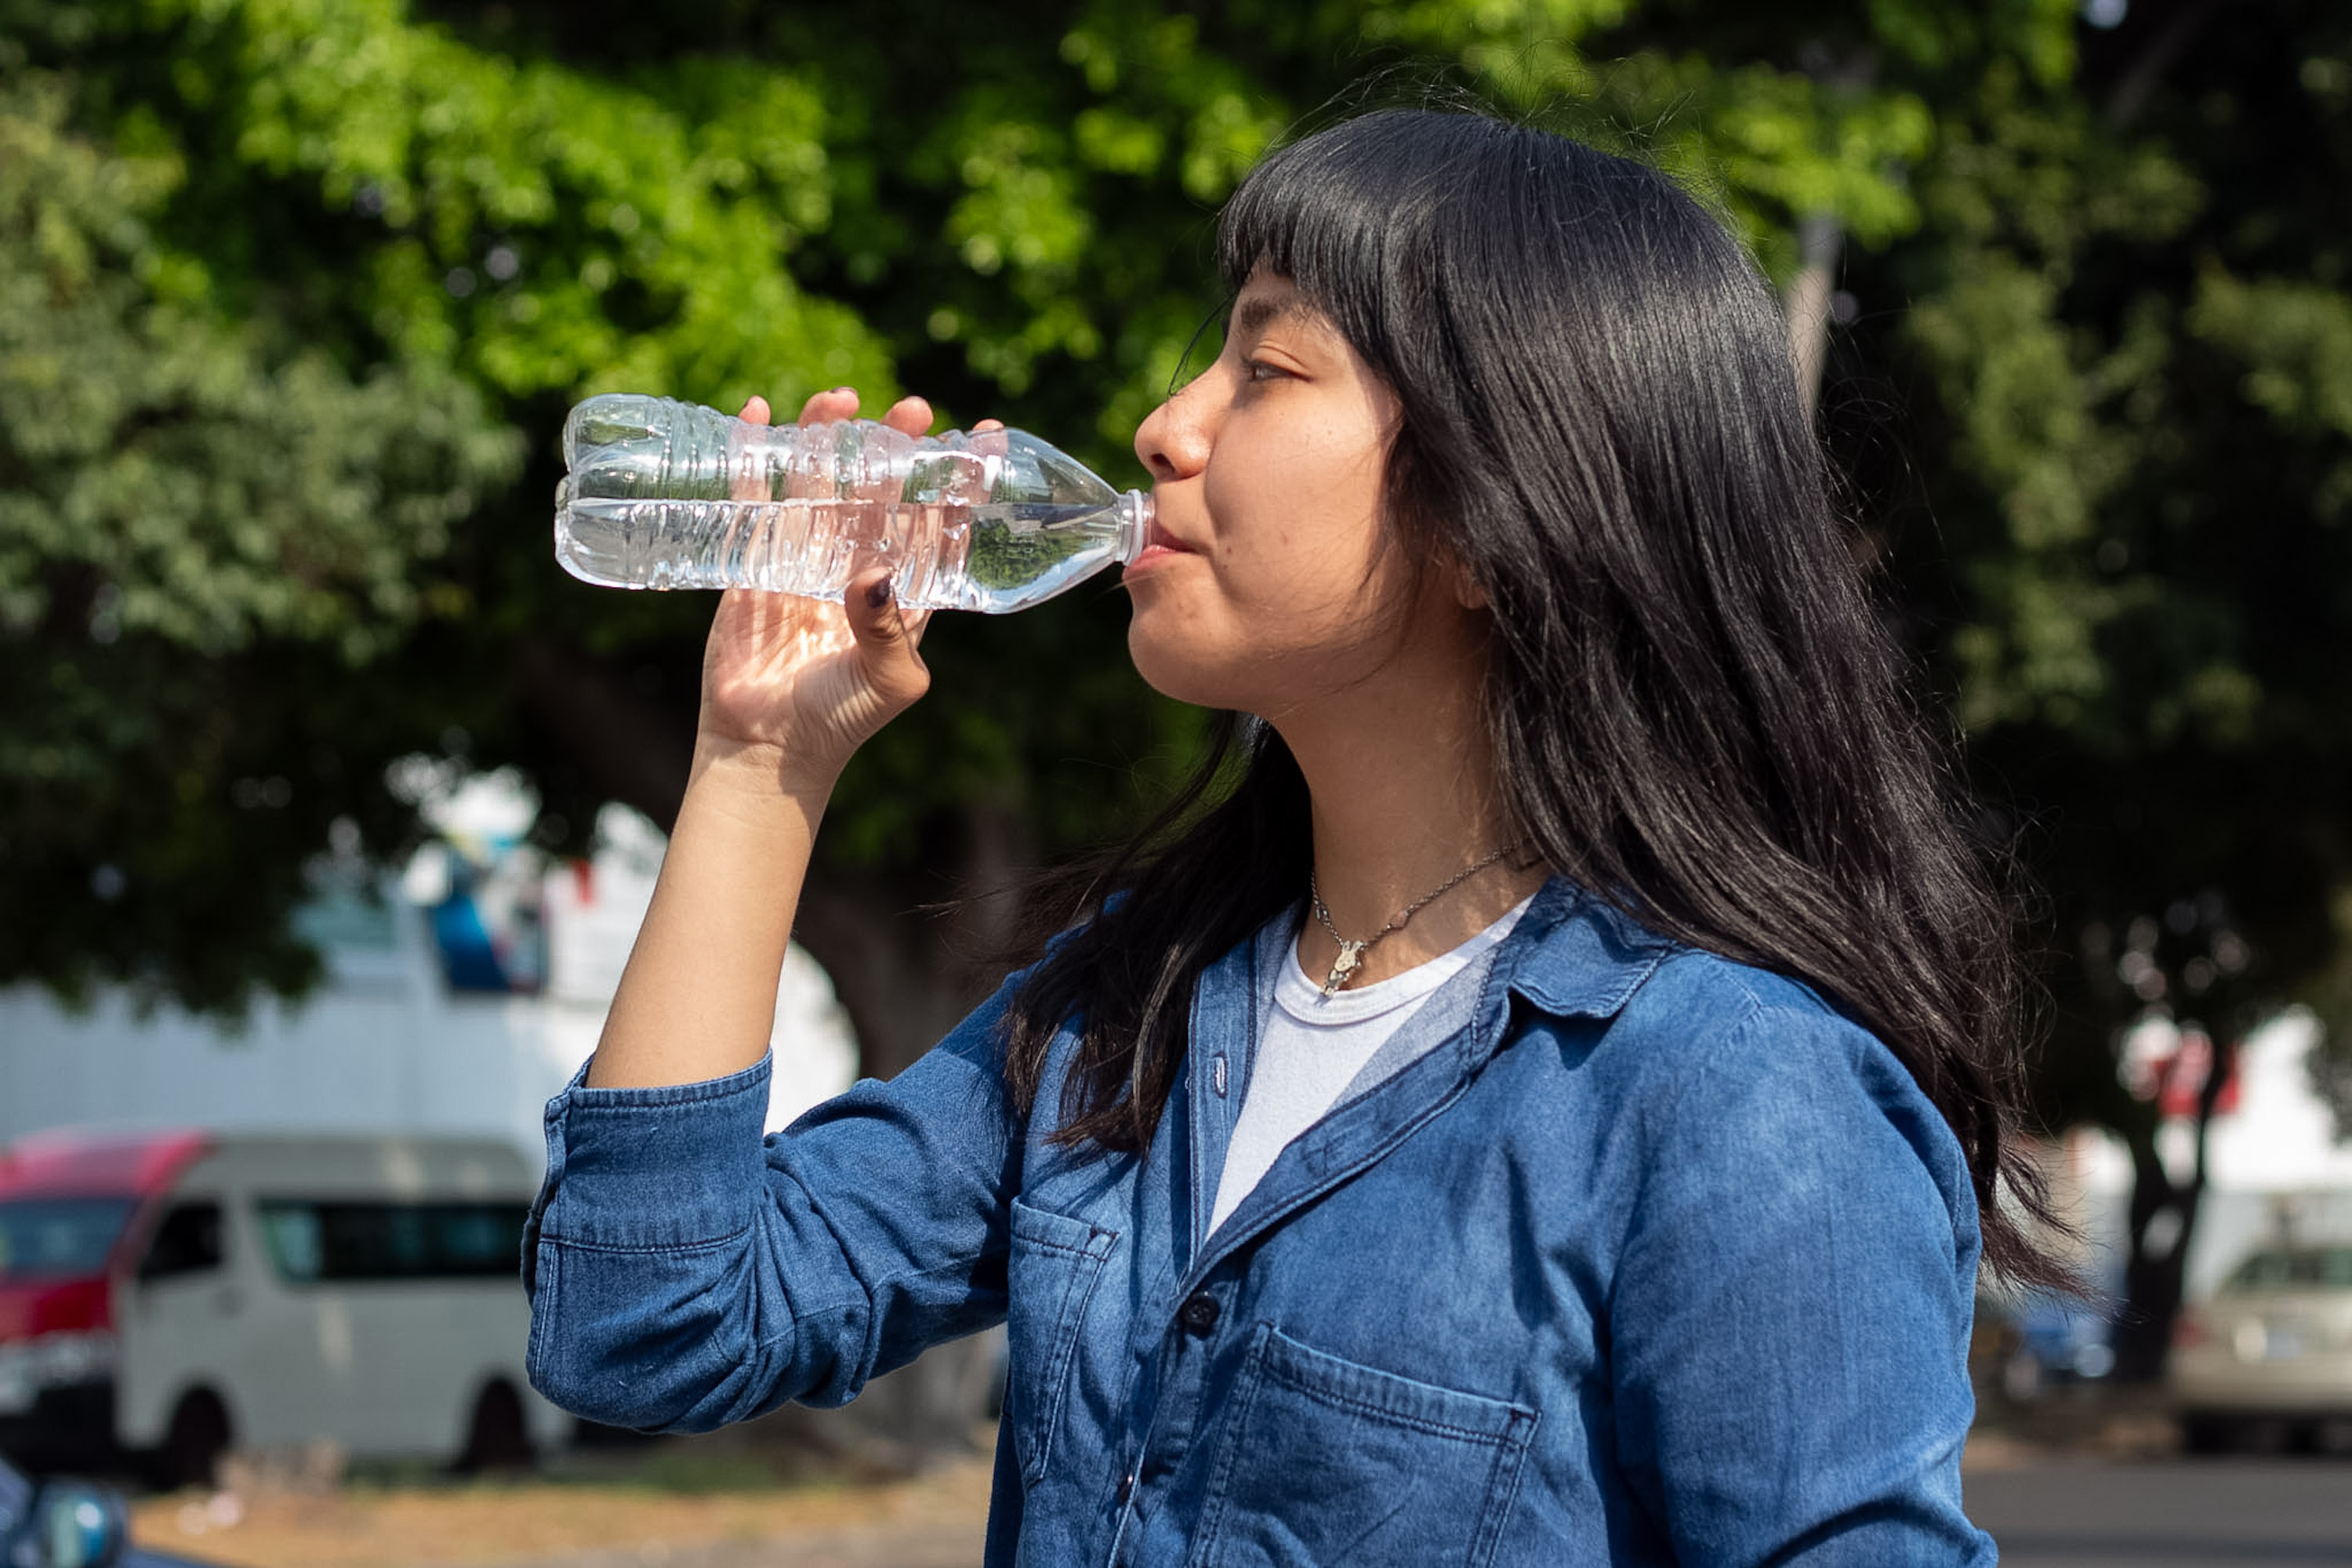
<point>668,495</point>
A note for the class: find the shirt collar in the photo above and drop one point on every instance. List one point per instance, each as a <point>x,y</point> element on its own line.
<point>1575,956</point>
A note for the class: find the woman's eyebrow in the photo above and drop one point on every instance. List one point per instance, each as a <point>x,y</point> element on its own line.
<point>1253,316</point>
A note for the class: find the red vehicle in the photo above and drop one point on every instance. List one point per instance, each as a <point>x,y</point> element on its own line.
<point>76,1214</point>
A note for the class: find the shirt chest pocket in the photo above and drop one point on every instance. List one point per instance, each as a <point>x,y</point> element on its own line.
<point>1050,1276</point>
<point>1324,1461</point>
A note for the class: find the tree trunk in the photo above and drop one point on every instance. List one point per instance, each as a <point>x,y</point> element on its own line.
<point>911,949</point>
<point>1819,241</point>
<point>1820,237</point>
<point>638,753</point>
<point>2163,1221</point>
<point>2160,1219</point>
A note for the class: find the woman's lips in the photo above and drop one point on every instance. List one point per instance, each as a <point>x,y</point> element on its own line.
<point>1159,545</point>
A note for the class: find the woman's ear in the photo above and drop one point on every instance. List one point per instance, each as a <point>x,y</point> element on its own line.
<point>1468,591</point>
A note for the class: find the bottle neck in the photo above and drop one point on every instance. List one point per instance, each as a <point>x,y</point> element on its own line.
<point>1133,510</point>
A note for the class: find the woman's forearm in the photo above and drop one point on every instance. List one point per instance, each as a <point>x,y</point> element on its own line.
<point>699,998</point>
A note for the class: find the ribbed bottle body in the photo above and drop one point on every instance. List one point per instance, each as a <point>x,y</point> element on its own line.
<point>666,495</point>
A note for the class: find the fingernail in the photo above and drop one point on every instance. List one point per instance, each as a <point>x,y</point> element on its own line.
<point>838,390</point>
<point>878,596</point>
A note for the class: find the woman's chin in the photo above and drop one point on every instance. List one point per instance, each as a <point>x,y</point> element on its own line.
<point>1176,670</point>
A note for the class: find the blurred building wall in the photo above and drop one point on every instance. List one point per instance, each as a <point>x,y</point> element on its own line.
<point>394,1041</point>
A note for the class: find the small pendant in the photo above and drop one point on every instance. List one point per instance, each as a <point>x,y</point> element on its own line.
<point>1351,953</point>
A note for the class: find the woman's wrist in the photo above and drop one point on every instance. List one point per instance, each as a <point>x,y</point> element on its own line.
<point>755,774</point>
<point>697,999</point>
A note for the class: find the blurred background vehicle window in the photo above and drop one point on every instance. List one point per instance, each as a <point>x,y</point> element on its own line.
<point>2273,1268</point>
<point>289,1234</point>
<point>58,1236</point>
<point>188,1241</point>
<point>316,1241</point>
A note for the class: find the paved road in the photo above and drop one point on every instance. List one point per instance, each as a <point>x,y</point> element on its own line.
<point>2212,1513</point>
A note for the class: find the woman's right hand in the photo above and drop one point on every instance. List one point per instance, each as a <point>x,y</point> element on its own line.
<point>793,686</point>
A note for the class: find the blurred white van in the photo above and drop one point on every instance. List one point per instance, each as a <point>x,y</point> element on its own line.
<point>176,1295</point>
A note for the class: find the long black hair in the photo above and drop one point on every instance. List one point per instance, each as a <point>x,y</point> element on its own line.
<point>1694,710</point>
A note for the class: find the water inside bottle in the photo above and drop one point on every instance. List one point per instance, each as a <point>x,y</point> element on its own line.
<point>991,558</point>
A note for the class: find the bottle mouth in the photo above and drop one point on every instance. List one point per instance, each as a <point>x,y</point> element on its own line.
<point>1134,510</point>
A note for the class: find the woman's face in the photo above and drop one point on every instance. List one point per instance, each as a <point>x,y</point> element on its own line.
<point>1265,585</point>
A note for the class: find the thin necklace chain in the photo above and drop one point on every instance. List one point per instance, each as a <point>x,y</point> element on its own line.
<point>1351,953</point>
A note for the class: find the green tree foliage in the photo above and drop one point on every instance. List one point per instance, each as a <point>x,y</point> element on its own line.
<point>425,235</point>
<point>188,496</point>
<point>2122,335</point>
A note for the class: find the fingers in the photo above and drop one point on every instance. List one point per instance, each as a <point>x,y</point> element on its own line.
<point>826,406</point>
<point>909,416</point>
<point>743,482</point>
<point>988,425</point>
<point>885,638</point>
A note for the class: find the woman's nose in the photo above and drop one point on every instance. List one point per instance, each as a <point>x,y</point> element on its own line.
<point>1173,442</point>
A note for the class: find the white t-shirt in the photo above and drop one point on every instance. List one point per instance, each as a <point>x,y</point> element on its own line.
<point>1313,1046</point>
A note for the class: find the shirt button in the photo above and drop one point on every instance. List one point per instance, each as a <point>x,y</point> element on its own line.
<point>1126,1488</point>
<point>1199,1315</point>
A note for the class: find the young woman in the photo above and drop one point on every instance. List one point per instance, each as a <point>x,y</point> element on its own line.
<point>1548,1111</point>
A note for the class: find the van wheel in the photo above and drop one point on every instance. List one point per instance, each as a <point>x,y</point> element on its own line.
<point>2204,1431</point>
<point>495,1439</point>
<point>196,1442</point>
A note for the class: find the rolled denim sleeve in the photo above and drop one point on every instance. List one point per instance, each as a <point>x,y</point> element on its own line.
<point>1792,1306</point>
<point>685,1272</point>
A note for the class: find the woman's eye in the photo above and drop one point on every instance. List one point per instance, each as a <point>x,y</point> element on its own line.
<point>1260,370</point>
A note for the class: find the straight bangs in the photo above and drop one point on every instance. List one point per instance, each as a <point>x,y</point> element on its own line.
<point>1322,215</point>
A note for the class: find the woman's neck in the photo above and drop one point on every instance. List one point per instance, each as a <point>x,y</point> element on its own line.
<point>1404,793</point>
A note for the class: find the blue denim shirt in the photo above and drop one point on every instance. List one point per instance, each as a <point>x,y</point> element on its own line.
<point>1658,1259</point>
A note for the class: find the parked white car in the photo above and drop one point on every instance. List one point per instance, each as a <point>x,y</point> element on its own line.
<point>2267,1362</point>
